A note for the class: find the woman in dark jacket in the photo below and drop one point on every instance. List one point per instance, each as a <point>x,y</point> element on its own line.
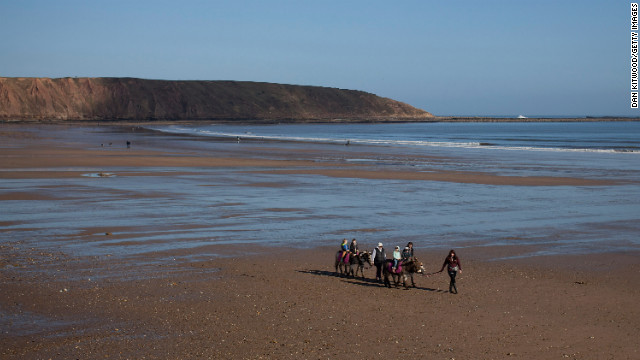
<point>452,263</point>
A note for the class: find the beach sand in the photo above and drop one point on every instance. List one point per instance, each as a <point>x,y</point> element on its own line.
<point>251,302</point>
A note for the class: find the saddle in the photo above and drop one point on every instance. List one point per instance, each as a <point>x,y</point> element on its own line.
<point>390,268</point>
<point>345,259</point>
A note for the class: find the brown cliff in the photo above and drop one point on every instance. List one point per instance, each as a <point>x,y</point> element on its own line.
<point>63,99</point>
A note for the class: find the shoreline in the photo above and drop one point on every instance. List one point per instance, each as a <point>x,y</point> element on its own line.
<point>435,119</point>
<point>37,161</point>
<point>153,287</point>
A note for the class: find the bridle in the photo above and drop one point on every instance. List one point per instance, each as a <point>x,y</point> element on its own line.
<point>413,262</point>
<point>369,260</point>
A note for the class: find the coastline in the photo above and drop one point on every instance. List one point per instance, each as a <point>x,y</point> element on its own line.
<point>266,121</point>
<point>250,301</point>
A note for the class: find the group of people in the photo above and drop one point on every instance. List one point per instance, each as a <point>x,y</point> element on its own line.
<point>379,256</point>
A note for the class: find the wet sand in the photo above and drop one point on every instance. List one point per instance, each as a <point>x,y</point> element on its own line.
<point>17,159</point>
<point>290,304</point>
<point>251,302</point>
<point>29,154</point>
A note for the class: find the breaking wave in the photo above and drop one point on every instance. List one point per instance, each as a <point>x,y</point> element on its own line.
<point>400,138</point>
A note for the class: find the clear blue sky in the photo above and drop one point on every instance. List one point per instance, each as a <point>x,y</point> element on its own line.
<point>447,57</point>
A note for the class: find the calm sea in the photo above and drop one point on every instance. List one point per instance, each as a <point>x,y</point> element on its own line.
<point>557,219</point>
<point>542,136</point>
<point>203,206</point>
<point>588,149</point>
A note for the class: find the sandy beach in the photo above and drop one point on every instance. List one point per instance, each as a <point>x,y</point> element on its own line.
<point>251,301</point>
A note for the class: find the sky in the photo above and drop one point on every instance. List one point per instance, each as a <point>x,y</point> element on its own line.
<point>532,58</point>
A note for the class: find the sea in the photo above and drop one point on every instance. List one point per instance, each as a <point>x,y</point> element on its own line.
<point>598,150</point>
<point>247,207</point>
<point>562,219</point>
<point>524,136</point>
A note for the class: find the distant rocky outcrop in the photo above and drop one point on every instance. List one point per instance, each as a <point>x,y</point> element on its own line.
<point>67,99</point>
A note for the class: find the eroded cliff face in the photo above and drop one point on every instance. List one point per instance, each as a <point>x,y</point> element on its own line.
<point>63,99</point>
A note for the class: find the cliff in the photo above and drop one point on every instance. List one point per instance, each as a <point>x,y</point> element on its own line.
<point>66,99</point>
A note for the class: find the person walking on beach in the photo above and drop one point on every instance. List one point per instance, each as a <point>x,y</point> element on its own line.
<point>379,258</point>
<point>452,262</point>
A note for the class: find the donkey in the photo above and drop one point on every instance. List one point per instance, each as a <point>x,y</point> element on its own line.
<point>357,261</point>
<point>419,270</point>
<point>405,270</point>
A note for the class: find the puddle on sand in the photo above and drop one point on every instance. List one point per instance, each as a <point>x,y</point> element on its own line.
<point>99,175</point>
<point>27,323</point>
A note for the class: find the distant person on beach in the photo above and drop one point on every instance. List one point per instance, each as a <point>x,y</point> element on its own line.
<point>452,263</point>
<point>407,253</point>
<point>354,247</point>
<point>379,258</point>
<point>397,256</point>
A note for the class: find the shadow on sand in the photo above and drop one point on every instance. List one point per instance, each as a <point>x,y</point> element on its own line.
<point>364,281</point>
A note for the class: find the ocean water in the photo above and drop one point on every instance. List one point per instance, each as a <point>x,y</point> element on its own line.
<point>197,207</point>
<point>542,136</point>
<point>586,149</point>
<point>555,219</point>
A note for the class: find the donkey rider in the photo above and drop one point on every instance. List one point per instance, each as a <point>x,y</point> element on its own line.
<point>344,248</point>
<point>353,248</point>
